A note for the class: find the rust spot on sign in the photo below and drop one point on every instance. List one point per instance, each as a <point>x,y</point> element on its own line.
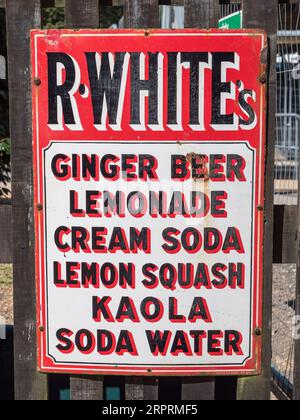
<point>200,161</point>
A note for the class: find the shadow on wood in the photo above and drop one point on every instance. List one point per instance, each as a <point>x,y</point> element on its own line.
<point>5,234</point>
<point>285,235</point>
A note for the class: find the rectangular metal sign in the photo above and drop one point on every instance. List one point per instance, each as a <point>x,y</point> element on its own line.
<point>149,151</point>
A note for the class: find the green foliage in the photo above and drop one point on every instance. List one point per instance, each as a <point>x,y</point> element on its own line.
<point>6,274</point>
<point>53,18</point>
<point>5,146</point>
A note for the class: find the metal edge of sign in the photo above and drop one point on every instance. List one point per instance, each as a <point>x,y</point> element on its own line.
<point>255,368</point>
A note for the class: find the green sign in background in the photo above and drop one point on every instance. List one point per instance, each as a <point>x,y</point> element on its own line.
<point>234,21</point>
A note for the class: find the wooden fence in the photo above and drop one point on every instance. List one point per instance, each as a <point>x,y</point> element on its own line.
<point>5,232</point>
<point>23,15</point>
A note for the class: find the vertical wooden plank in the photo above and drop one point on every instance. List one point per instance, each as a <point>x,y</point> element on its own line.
<point>141,14</point>
<point>201,13</point>
<point>82,14</point>
<point>5,234</point>
<point>23,15</point>
<point>139,389</point>
<point>86,388</point>
<point>263,15</point>
<point>285,234</point>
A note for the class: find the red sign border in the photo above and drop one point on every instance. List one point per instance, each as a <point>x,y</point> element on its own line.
<point>45,363</point>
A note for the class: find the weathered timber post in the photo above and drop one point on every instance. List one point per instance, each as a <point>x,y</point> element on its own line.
<point>141,14</point>
<point>263,15</point>
<point>201,14</point>
<point>82,14</point>
<point>22,16</point>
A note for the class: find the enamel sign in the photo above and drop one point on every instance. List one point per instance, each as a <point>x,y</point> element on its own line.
<point>149,154</point>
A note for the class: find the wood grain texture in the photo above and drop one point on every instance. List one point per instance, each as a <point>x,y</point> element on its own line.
<point>141,14</point>
<point>86,388</point>
<point>196,389</point>
<point>139,388</point>
<point>285,234</point>
<point>6,253</point>
<point>82,14</point>
<point>201,13</point>
<point>263,15</point>
<point>23,15</point>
